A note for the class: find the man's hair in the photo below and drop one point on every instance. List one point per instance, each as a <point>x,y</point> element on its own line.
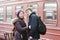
<point>29,9</point>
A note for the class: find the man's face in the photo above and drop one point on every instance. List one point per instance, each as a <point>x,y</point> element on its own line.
<point>28,12</point>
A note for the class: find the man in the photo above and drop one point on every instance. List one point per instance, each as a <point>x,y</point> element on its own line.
<point>33,24</point>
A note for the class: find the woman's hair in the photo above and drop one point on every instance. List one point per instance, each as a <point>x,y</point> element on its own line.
<point>19,13</point>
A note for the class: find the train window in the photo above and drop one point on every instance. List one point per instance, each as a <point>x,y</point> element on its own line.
<point>34,7</point>
<point>1,14</point>
<point>12,0</point>
<point>50,0</point>
<point>2,0</point>
<point>9,13</point>
<point>50,13</point>
<point>19,8</point>
<point>7,0</point>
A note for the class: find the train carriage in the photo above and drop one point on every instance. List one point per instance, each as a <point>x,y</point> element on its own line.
<point>47,9</point>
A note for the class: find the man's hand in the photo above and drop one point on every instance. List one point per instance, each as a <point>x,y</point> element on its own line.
<point>30,38</point>
<point>29,26</point>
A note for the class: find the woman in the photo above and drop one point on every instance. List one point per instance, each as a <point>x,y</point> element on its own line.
<point>20,26</point>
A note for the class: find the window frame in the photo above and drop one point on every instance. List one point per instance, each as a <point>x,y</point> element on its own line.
<point>33,7</point>
<point>16,10</point>
<point>7,13</point>
<point>51,24</point>
<point>2,18</point>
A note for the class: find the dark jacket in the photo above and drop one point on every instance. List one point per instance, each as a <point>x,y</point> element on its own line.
<point>34,23</point>
<point>20,27</point>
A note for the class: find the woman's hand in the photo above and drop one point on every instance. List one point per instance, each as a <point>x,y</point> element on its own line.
<point>27,28</point>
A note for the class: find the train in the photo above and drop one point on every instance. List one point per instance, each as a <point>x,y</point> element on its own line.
<point>49,10</point>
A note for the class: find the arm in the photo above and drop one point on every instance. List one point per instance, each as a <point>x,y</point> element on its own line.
<point>34,21</point>
<point>33,24</point>
<point>19,27</point>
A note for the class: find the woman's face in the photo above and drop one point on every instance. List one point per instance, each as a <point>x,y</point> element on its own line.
<point>21,15</point>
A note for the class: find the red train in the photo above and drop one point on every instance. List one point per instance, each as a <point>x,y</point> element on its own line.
<point>49,10</point>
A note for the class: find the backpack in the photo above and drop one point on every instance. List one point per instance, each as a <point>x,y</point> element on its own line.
<point>41,27</point>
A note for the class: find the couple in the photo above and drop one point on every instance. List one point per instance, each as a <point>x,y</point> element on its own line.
<point>24,32</point>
